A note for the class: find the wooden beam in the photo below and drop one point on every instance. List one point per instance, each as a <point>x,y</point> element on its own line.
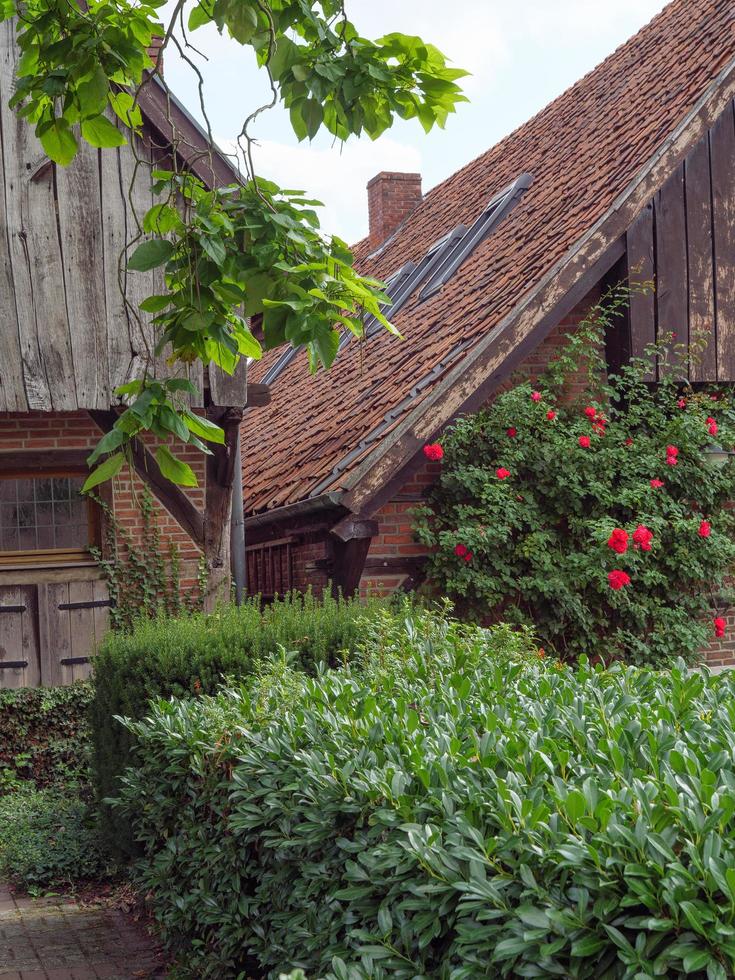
<point>354,528</point>
<point>172,497</point>
<point>221,468</point>
<point>258,394</point>
<point>166,114</point>
<point>348,562</point>
<point>31,461</point>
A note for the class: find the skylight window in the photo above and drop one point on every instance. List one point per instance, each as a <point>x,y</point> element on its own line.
<point>493,214</point>
<point>435,269</point>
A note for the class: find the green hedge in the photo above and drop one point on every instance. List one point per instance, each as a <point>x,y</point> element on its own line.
<point>189,655</point>
<point>48,838</point>
<point>44,736</point>
<point>453,810</point>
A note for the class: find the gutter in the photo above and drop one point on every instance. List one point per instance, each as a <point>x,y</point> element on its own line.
<point>313,505</point>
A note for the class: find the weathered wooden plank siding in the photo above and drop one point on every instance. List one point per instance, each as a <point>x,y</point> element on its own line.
<point>70,327</point>
<point>685,240</point>
<point>699,261</point>
<point>641,262</point>
<point>722,157</point>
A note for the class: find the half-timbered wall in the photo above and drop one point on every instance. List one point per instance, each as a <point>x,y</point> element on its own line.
<point>54,614</point>
<point>684,240</point>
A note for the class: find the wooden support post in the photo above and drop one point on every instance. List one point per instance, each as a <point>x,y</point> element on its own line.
<point>351,539</point>
<point>222,467</point>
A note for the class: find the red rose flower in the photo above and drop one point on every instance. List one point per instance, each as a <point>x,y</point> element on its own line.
<point>671,461</point>
<point>551,415</point>
<point>705,529</point>
<point>618,540</point>
<point>712,428</point>
<point>434,451</point>
<point>642,537</point>
<point>590,412</point>
<point>628,441</point>
<point>584,442</point>
<point>682,403</point>
<point>719,624</point>
<point>535,396</point>
<point>710,420</point>
<point>468,556</point>
<point>502,473</point>
<point>618,579</point>
<point>656,484</point>
<point>460,550</point>
<point>672,451</point>
<point>511,432</point>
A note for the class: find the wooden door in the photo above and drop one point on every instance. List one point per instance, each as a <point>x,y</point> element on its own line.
<point>50,629</point>
<point>20,664</point>
<point>78,616</point>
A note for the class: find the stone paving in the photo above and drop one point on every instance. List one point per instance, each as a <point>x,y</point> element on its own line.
<point>56,939</point>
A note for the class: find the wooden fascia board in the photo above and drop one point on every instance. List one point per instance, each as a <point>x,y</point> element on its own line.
<point>165,114</point>
<point>486,365</point>
<point>172,497</point>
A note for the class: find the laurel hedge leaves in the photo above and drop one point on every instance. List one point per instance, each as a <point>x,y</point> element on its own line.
<point>449,806</point>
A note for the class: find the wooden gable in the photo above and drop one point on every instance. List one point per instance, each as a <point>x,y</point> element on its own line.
<point>70,328</point>
<point>684,239</point>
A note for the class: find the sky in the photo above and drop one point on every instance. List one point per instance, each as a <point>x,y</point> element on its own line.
<point>521,54</point>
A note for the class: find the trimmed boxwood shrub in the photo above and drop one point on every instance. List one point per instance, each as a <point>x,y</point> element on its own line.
<point>453,809</point>
<point>190,655</point>
<point>44,736</point>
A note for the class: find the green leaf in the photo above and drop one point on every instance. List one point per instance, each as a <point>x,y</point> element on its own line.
<point>59,142</point>
<point>105,471</point>
<point>161,219</point>
<point>92,93</point>
<point>198,17</point>
<point>312,115</point>
<point>696,960</point>
<point>154,304</point>
<point>214,248</point>
<point>111,440</point>
<point>124,107</point>
<point>203,427</point>
<point>172,421</point>
<point>150,254</point>
<point>99,131</point>
<point>175,469</point>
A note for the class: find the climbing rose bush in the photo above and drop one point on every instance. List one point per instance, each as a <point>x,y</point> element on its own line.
<point>597,519</point>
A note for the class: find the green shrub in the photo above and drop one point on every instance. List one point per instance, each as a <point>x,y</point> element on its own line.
<point>544,512</point>
<point>454,809</point>
<point>190,655</point>
<point>47,839</point>
<point>44,736</point>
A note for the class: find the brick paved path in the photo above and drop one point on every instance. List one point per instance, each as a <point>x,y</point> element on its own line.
<point>56,939</point>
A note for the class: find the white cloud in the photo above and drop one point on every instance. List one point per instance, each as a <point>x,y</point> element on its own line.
<point>336,175</point>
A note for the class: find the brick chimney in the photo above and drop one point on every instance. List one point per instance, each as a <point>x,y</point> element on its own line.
<point>391,198</point>
<point>154,53</point>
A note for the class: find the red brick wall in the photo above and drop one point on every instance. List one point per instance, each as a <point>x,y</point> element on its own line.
<point>38,434</point>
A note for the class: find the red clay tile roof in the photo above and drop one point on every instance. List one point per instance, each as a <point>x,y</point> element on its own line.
<point>583,150</point>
